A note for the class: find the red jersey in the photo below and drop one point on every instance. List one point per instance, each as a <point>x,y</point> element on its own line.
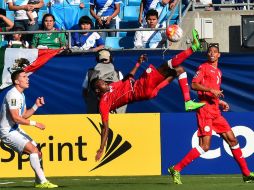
<point>129,90</point>
<point>210,77</point>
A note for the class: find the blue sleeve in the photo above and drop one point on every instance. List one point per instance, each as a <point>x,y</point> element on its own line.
<point>74,39</point>
<point>92,2</point>
<point>99,42</point>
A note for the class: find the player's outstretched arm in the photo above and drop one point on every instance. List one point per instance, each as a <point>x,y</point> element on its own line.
<point>140,60</point>
<point>38,103</point>
<point>104,137</point>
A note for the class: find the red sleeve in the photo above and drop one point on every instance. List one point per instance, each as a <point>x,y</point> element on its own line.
<point>199,75</point>
<point>104,110</point>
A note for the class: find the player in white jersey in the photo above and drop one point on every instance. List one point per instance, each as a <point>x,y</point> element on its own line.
<point>14,113</point>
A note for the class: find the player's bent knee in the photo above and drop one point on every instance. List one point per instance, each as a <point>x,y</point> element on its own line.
<point>171,73</point>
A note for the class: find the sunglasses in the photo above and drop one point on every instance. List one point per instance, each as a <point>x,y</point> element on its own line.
<point>213,45</point>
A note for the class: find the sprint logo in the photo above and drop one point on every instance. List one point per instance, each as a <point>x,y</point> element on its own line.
<point>115,147</point>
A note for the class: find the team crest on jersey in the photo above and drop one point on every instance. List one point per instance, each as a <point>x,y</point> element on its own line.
<point>207,128</point>
<point>13,102</point>
<point>148,70</point>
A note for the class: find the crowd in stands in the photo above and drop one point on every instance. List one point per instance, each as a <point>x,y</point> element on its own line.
<point>100,14</point>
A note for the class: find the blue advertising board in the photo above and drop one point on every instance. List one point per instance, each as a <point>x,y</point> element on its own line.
<point>178,136</point>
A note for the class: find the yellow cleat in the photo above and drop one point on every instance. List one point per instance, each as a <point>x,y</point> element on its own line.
<point>45,185</point>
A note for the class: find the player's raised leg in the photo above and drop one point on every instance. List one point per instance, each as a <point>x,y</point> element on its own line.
<point>175,62</point>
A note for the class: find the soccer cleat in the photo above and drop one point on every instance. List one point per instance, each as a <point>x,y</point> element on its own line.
<point>176,176</point>
<point>196,45</point>
<point>249,179</point>
<point>190,105</point>
<point>45,185</point>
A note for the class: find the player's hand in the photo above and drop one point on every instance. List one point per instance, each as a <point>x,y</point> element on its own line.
<point>40,101</point>
<point>217,93</point>
<point>224,105</point>
<point>142,58</point>
<point>40,126</point>
<point>98,155</point>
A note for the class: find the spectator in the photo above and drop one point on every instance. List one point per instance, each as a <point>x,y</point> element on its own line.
<point>21,18</point>
<point>87,40</point>
<point>49,40</point>
<point>163,8</point>
<point>30,13</point>
<point>17,40</point>
<point>5,23</point>
<point>106,13</point>
<point>103,70</point>
<point>150,39</point>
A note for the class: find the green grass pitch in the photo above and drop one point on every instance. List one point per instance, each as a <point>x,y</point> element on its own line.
<point>191,182</point>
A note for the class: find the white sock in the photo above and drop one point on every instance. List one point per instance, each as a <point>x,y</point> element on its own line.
<point>35,164</point>
<point>170,64</point>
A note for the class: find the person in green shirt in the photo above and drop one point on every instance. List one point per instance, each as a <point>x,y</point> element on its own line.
<point>49,40</point>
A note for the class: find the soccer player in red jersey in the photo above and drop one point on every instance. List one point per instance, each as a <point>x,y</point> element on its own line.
<point>128,90</point>
<point>207,82</point>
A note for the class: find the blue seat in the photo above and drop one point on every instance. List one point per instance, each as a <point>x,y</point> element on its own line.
<point>3,43</point>
<point>128,25</point>
<point>3,4</point>
<point>41,13</point>
<point>127,42</point>
<point>134,2</point>
<point>113,42</point>
<point>85,11</point>
<point>10,15</point>
<point>130,13</point>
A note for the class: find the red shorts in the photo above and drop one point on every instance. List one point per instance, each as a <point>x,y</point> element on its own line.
<point>209,118</point>
<point>145,86</point>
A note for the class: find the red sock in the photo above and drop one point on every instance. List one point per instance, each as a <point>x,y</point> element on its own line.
<point>192,155</point>
<point>180,58</point>
<point>238,155</point>
<point>183,83</point>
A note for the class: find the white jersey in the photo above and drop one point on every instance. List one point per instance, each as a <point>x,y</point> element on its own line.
<point>13,100</point>
<point>21,14</point>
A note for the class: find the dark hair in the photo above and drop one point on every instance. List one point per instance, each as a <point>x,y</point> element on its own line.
<point>152,12</point>
<point>93,83</point>
<point>85,20</point>
<point>44,18</point>
<point>15,75</point>
<point>18,28</point>
<point>216,45</point>
<point>2,11</point>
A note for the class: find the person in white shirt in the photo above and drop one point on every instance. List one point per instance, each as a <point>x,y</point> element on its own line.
<point>21,19</point>
<point>150,39</point>
<point>14,113</point>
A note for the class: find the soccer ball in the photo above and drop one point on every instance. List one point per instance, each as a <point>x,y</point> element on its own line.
<point>174,33</point>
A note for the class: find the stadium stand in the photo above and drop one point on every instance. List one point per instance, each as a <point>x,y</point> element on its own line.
<point>113,42</point>
<point>130,13</point>
<point>133,2</point>
<point>3,4</point>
